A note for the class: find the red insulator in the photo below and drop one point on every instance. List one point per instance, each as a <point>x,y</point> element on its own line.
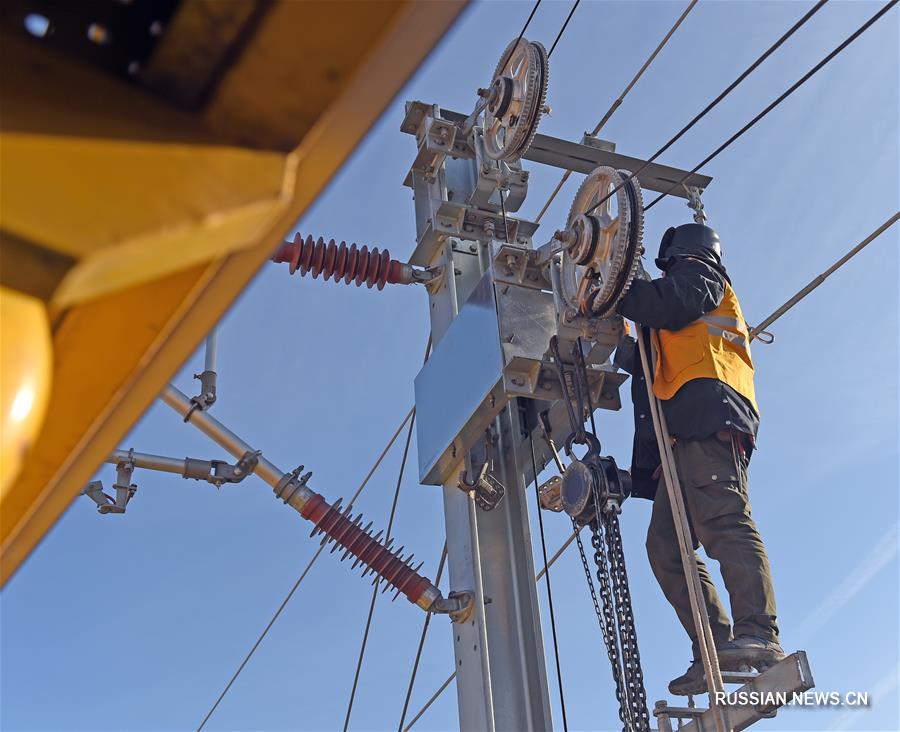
<point>338,526</point>
<point>340,261</point>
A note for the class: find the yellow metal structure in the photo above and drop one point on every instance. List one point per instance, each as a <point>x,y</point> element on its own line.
<point>26,356</point>
<point>137,210</point>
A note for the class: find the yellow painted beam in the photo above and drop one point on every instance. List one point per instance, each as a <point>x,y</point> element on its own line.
<point>96,410</point>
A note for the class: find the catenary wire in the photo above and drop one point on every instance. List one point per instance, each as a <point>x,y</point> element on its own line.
<point>537,496</point>
<point>563,29</point>
<point>522,32</point>
<point>754,332</point>
<point>415,668</point>
<point>784,95</point>
<point>303,574</point>
<point>619,100</point>
<point>377,583</point>
<point>724,93</point>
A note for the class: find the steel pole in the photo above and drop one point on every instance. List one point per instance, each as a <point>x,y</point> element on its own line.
<point>212,344</point>
<point>501,675</point>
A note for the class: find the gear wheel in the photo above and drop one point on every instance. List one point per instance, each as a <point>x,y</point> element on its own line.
<point>518,95</point>
<point>603,255</point>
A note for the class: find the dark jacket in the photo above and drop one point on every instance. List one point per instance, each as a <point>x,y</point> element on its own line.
<point>701,407</point>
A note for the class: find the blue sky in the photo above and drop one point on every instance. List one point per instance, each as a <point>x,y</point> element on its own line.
<point>136,622</point>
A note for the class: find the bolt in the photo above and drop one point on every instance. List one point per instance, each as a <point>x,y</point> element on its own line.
<point>546,386</point>
<point>472,247</point>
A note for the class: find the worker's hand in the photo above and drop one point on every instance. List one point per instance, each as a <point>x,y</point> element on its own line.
<point>641,273</point>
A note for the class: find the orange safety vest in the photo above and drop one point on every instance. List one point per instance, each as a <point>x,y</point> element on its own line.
<point>715,346</point>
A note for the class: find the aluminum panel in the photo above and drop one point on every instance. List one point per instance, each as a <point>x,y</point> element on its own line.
<point>459,389</point>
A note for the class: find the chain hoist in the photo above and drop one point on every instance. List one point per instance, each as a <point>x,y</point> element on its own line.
<point>593,489</point>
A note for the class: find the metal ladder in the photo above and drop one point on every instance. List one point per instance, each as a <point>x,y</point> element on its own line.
<point>792,675</point>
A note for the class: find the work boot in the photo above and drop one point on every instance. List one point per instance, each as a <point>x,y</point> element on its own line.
<point>752,650</point>
<point>693,681</point>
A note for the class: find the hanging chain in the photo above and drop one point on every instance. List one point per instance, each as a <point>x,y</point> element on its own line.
<point>608,625</point>
<point>634,675</point>
<point>613,608</point>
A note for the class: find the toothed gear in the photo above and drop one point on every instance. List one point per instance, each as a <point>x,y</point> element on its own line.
<point>597,286</point>
<point>519,95</point>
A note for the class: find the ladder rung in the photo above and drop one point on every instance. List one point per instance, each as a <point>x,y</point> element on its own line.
<point>738,677</point>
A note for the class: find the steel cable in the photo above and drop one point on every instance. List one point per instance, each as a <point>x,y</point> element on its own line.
<point>303,574</point>
<point>559,552</point>
<point>619,100</point>
<point>563,29</point>
<point>818,280</point>
<point>784,95</point>
<point>377,582</point>
<point>715,102</point>
<point>415,668</point>
<point>537,496</point>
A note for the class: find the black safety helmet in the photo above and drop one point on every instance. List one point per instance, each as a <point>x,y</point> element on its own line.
<point>689,240</point>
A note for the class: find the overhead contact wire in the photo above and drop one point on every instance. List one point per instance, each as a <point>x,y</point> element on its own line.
<point>715,102</point>
<point>784,95</point>
<point>537,496</point>
<point>619,100</point>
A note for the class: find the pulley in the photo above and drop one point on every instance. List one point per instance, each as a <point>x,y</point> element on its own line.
<point>601,250</point>
<point>515,100</point>
<point>593,482</point>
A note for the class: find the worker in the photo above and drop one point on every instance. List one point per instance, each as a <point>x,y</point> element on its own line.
<point>703,377</point>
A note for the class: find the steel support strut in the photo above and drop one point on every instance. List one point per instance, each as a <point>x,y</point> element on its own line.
<point>336,525</point>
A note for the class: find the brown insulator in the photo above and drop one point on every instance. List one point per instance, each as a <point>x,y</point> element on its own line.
<point>377,556</point>
<point>340,261</point>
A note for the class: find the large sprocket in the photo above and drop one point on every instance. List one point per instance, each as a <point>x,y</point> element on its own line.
<point>602,256</point>
<point>516,101</point>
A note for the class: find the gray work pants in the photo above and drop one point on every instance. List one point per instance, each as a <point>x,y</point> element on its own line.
<point>713,476</point>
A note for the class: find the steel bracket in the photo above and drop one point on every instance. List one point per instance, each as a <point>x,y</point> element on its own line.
<point>458,605</point>
<point>223,472</point>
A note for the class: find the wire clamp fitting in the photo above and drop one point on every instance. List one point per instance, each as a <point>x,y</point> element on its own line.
<point>290,483</point>
<point>459,606</point>
<point>695,204</point>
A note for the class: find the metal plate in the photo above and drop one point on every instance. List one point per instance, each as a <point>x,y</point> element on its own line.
<point>459,390</point>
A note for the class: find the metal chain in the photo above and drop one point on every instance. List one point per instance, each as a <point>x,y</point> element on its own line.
<point>634,675</point>
<point>609,622</point>
<point>604,617</point>
<point>613,609</point>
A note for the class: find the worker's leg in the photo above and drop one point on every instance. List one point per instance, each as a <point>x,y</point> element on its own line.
<point>665,560</point>
<point>714,477</point>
